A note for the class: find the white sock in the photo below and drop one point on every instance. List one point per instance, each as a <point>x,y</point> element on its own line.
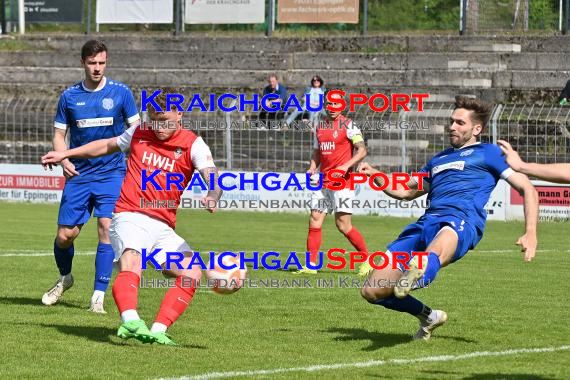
<point>129,315</point>
<point>98,296</point>
<point>158,327</point>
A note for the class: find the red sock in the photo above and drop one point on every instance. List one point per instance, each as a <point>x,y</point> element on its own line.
<point>126,291</point>
<point>175,302</point>
<point>314,240</point>
<point>357,240</point>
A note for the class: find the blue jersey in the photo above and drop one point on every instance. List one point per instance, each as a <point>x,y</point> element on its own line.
<point>93,115</point>
<point>461,181</point>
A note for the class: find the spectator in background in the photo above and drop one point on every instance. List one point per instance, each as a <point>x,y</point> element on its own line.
<point>316,89</point>
<point>274,87</point>
<point>564,97</point>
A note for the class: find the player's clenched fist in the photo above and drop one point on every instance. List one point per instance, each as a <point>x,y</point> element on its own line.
<point>366,168</point>
<point>210,204</point>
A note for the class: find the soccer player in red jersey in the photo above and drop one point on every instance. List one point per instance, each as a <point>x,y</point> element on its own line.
<point>335,143</point>
<point>133,228</point>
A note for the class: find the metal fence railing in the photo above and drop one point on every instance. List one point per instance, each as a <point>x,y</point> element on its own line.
<point>245,141</point>
<point>471,16</point>
<point>482,16</point>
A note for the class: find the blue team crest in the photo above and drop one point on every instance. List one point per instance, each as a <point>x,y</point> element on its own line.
<point>107,103</point>
<point>466,153</point>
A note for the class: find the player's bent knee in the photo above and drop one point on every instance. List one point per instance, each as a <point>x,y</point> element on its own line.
<point>344,228</point>
<point>373,295</point>
<point>186,270</point>
<point>66,236</point>
<point>316,219</point>
<point>103,225</point>
<point>131,261</point>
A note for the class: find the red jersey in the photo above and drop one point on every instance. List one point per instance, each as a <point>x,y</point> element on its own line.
<point>181,153</point>
<point>335,144</point>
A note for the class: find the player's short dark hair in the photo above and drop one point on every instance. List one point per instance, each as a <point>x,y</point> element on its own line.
<point>481,109</point>
<point>160,99</point>
<point>91,48</point>
<point>272,75</point>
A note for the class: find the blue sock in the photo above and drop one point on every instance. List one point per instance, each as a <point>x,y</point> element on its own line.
<point>103,266</point>
<point>407,304</point>
<point>431,270</point>
<point>63,258</point>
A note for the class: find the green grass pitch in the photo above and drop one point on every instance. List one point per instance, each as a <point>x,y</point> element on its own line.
<point>495,301</point>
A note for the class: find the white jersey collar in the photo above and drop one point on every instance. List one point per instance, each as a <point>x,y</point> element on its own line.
<point>99,88</point>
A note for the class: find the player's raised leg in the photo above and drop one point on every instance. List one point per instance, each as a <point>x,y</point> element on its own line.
<point>176,299</point>
<point>382,293</point>
<point>63,251</point>
<point>423,270</point>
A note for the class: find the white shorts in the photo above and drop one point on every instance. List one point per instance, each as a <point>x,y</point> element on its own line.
<point>133,230</point>
<point>327,200</point>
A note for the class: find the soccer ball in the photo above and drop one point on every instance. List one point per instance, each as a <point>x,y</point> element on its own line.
<point>226,281</point>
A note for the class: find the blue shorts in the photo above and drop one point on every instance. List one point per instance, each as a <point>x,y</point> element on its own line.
<point>79,199</point>
<point>417,236</point>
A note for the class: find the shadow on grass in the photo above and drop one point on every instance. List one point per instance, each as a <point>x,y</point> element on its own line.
<point>94,333</point>
<point>380,340</point>
<point>103,335</point>
<point>377,340</point>
<point>506,376</point>
<point>34,302</point>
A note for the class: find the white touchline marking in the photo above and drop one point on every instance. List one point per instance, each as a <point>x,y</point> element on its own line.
<point>370,363</point>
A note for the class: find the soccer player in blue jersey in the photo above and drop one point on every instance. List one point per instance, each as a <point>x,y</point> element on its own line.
<point>93,109</point>
<point>461,179</point>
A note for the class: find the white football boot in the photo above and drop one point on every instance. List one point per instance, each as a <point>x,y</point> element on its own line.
<point>54,294</point>
<point>97,303</point>
<point>428,325</point>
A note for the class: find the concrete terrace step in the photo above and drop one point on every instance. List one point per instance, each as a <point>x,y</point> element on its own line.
<point>495,48</point>
<point>195,42</point>
<point>383,161</point>
<point>490,62</point>
<point>410,144</point>
<point>186,77</point>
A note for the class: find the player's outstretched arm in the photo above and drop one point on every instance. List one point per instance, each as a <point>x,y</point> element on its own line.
<point>528,241</point>
<point>94,149</point>
<point>401,192</point>
<point>548,172</point>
